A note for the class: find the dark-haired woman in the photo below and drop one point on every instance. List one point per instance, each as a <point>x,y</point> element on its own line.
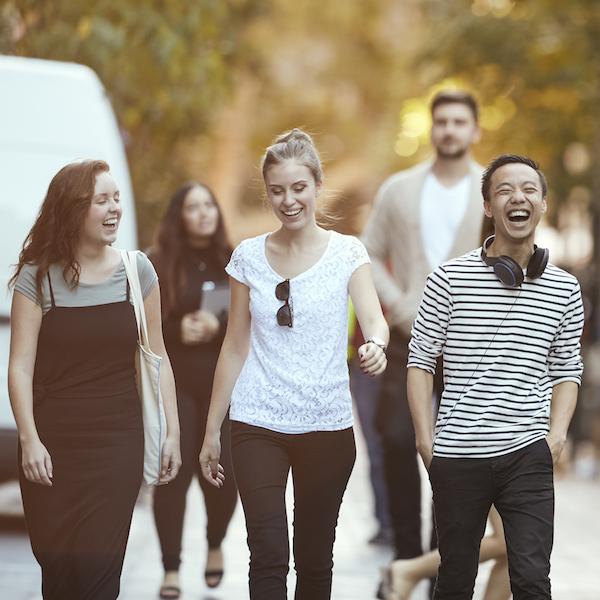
<point>190,252</point>
<point>72,385</point>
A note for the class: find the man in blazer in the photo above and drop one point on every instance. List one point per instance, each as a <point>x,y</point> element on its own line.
<point>421,217</point>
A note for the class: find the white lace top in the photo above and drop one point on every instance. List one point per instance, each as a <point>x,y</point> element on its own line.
<point>295,379</point>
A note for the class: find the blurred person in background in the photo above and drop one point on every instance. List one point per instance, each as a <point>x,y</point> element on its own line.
<point>421,217</point>
<point>190,254</point>
<point>73,388</point>
<point>579,455</point>
<point>365,393</point>
<point>402,576</point>
<point>283,368</point>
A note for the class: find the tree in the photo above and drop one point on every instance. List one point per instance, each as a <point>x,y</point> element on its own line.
<point>165,64</point>
<point>538,63</point>
<point>200,88</point>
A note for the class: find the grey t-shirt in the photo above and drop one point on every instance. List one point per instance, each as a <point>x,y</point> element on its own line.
<point>114,289</point>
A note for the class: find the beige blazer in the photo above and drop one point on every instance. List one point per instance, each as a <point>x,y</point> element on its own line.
<point>394,241</point>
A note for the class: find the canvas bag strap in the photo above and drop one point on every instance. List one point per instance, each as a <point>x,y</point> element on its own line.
<point>130,262</point>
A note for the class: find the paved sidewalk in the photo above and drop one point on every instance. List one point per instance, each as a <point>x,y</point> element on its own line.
<point>575,572</point>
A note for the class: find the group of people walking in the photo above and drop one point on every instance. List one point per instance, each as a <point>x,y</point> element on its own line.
<point>260,388</point>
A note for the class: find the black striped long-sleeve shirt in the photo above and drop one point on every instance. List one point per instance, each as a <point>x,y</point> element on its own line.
<point>503,351</point>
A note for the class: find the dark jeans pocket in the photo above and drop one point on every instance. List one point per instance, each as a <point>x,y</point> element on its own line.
<point>547,450</point>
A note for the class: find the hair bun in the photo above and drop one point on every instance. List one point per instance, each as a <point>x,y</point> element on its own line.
<point>294,145</point>
<point>295,135</point>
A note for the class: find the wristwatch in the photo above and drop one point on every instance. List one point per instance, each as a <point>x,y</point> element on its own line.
<point>378,342</point>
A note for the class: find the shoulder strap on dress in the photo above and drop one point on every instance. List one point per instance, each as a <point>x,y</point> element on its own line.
<point>51,290</point>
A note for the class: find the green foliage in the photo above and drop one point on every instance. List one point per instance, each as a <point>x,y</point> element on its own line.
<point>166,66</point>
<point>544,56</point>
<point>201,86</point>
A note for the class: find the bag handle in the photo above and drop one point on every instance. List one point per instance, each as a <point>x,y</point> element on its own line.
<point>130,262</point>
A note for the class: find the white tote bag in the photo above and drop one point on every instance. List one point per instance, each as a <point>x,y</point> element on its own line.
<point>148,378</point>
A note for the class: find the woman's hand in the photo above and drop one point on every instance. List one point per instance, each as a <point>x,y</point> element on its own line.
<point>372,359</point>
<point>36,463</point>
<point>170,460</point>
<point>198,327</point>
<point>371,355</point>
<point>212,471</point>
<point>191,329</point>
<point>209,323</point>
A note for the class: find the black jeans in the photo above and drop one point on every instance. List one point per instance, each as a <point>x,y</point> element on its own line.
<point>521,486</point>
<point>400,462</point>
<point>169,500</point>
<point>321,463</point>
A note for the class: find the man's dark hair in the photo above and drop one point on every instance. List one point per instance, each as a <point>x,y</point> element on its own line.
<point>509,159</point>
<point>456,97</point>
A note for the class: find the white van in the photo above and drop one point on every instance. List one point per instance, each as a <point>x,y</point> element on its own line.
<point>51,114</point>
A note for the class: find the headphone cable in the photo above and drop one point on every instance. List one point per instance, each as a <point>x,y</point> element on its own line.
<point>442,425</point>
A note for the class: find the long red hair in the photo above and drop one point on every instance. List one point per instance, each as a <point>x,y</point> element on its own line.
<point>55,233</point>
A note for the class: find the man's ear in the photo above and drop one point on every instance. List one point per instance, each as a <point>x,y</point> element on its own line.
<point>544,206</point>
<point>487,208</point>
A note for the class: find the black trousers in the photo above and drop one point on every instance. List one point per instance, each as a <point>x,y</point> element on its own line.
<point>321,463</point>
<point>170,500</point>
<point>520,484</point>
<point>400,461</point>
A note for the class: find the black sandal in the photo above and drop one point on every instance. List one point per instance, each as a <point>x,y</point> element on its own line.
<point>217,574</point>
<point>169,592</point>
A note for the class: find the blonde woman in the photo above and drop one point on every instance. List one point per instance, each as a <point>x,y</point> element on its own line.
<point>283,367</point>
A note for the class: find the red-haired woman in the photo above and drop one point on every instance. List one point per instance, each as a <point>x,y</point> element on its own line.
<point>72,385</point>
<point>190,253</point>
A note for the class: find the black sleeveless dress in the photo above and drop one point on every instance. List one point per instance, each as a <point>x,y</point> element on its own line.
<point>88,415</point>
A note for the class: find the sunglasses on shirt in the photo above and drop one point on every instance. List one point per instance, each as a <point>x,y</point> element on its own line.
<point>284,314</point>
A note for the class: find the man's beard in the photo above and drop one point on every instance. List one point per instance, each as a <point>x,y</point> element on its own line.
<point>455,155</point>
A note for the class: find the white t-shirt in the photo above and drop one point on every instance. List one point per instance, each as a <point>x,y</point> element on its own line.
<point>295,379</point>
<point>442,211</point>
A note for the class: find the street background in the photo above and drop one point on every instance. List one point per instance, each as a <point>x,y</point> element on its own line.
<point>201,87</point>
